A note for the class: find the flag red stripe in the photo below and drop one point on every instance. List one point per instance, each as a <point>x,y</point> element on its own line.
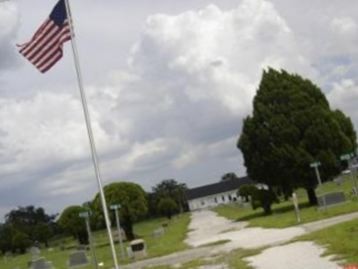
<point>65,37</point>
<point>38,37</point>
<point>42,29</point>
<point>57,47</point>
<point>38,50</point>
<point>52,63</point>
<point>55,41</point>
<point>50,36</point>
<point>50,60</point>
<point>45,54</point>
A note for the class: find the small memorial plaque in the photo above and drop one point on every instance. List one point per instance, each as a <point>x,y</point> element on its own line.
<point>78,258</point>
<point>41,264</point>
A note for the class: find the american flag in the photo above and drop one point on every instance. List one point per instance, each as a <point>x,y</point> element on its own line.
<point>45,48</point>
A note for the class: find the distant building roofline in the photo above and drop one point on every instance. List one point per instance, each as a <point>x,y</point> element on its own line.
<point>218,187</point>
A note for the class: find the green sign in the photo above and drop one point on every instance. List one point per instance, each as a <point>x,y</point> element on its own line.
<point>346,157</point>
<point>115,207</point>
<point>315,164</point>
<point>84,214</point>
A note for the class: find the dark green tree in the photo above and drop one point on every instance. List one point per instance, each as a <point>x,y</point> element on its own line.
<point>229,176</point>
<point>246,191</point>
<point>260,197</point>
<point>42,232</point>
<point>6,234</point>
<point>152,205</point>
<point>132,200</point>
<point>291,126</point>
<point>96,218</point>
<point>172,189</point>
<point>263,198</point>
<point>167,207</point>
<point>33,222</point>
<point>20,241</point>
<point>71,222</point>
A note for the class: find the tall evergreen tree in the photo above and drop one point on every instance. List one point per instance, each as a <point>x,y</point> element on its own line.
<point>291,126</point>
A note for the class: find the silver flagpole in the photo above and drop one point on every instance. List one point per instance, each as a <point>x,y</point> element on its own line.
<point>90,133</point>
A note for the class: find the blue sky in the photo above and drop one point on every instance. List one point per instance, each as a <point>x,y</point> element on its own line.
<point>168,82</point>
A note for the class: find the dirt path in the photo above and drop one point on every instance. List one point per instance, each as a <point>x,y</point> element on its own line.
<point>207,227</point>
<point>298,255</point>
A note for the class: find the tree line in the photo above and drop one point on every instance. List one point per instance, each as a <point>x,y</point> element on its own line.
<point>28,226</point>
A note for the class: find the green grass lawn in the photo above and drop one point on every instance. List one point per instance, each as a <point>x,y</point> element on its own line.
<point>170,242</point>
<point>233,259</point>
<point>340,240</point>
<point>283,213</point>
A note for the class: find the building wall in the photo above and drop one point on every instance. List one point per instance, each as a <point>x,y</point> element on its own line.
<point>214,200</point>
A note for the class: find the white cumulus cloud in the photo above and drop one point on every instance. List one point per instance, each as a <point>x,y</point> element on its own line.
<point>344,96</point>
<point>212,54</point>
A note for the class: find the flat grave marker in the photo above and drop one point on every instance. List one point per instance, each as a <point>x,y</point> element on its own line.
<point>331,199</point>
<point>78,259</point>
<point>158,232</point>
<point>41,264</point>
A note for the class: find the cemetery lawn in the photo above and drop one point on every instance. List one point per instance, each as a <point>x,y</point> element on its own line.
<point>284,214</point>
<point>339,240</point>
<point>233,259</point>
<point>171,241</point>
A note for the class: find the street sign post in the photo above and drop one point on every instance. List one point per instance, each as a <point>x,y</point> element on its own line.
<point>116,207</point>
<point>85,215</point>
<point>296,205</point>
<point>315,165</point>
<point>352,168</point>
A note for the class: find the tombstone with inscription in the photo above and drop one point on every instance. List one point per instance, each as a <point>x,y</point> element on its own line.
<point>41,264</point>
<point>116,236</point>
<point>78,259</point>
<point>139,249</point>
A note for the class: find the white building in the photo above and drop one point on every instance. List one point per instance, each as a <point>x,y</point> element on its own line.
<point>211,195</point>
